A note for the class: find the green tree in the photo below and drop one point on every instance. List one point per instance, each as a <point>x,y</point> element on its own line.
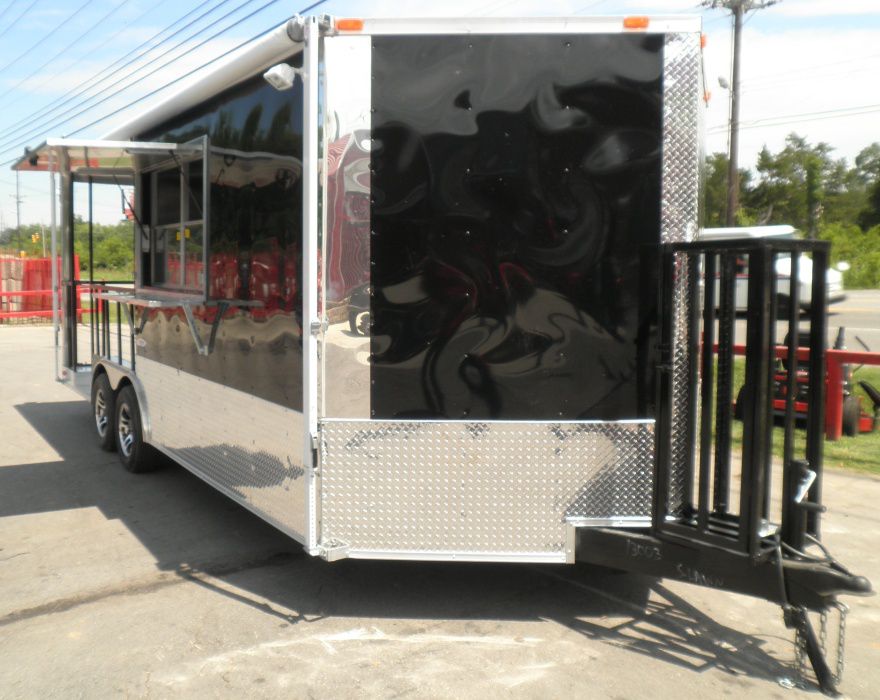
<point>715,191</point>
<point>796,185</point>
<point>861,249</point>
<point>870,215</point>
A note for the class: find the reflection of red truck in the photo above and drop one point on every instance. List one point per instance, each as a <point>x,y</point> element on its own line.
<point>348,195</point>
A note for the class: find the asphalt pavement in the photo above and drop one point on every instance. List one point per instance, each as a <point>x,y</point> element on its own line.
<point>114,584</point>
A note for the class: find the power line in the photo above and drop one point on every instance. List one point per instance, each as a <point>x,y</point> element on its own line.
<point>62,118</point>
<point>88,83</point>
<point>195,70</point>
<point>189,73</point>
<point>47,36</point>
<point>809,69</point>
<point>93,27</point>
<point>801,117</point>
<point>5,147</point>
<point>7,8</point>
<point>17,19</point>
<point>9,183</point>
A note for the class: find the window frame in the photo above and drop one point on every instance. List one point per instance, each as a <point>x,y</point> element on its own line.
<point>148,177</point>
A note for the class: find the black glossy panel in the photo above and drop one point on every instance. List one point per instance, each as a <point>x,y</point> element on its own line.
<point>255,243</point>
<point>515,180</point>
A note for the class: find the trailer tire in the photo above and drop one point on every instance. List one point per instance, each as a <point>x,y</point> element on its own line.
<point>136,456</point>
<point>851,411</point>
<point>104,412</point>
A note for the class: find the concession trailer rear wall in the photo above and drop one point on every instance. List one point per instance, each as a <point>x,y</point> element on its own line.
<point>501,181</point>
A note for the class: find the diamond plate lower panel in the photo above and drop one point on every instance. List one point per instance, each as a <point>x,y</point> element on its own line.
<point>247,447</point>
<point>493,488</point>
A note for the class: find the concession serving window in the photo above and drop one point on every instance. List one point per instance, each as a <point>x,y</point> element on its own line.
<point>170,200</point>
<point>172,204</point>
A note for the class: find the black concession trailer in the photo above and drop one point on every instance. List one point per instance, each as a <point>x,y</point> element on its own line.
<point>431,289</point>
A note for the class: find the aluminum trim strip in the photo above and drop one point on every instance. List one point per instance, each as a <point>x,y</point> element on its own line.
<point>311,155</point>
<point>525,558</point>
<point>660,24</point>
<point>524,423</point>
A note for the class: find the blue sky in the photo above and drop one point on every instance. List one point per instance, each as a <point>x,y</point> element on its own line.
<point>809,66</point>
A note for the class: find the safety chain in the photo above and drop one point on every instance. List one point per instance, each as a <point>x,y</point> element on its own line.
<point>842,610</point>
<point>800,645</point>
<point>800,657</point>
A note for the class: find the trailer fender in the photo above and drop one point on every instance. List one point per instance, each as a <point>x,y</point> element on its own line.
<point>119,376</point>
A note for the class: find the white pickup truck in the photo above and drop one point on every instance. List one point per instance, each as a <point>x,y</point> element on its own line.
<point>834,279</point>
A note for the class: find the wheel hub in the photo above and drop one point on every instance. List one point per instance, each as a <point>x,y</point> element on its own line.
<point>101,417</point>
<point>125,431</point>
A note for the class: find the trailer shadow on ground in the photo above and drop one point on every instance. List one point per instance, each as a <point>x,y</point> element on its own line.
<point>197,535</point>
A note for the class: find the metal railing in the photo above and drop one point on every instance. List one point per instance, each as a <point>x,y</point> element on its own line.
<point>710,511</point>
<point>110,329</point>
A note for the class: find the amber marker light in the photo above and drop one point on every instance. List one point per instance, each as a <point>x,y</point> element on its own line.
<point>636,22</point>
<point>349,24</point>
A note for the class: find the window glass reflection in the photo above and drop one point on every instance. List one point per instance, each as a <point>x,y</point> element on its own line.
<point>167,196</point>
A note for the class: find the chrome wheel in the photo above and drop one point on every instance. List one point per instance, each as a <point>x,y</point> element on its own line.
<point>102,417</point>
<point>125,430</point>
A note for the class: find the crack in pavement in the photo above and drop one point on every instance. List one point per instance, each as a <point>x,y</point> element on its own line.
<point>185,573</point>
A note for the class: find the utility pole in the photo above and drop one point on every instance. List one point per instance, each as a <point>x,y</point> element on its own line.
<point>17,199</point>
<point>738,9</point>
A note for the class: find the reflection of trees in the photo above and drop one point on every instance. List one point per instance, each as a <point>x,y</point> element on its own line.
<point>251,129</point>
<point>255,117</point>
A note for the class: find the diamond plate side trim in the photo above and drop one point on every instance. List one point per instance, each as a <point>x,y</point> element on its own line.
<point>247,447</point>
<point>478,490</point>
<point>680,211</point>
<point>682,90</point>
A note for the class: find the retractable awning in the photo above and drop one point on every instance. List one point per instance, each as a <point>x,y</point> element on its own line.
<point>103,161</point>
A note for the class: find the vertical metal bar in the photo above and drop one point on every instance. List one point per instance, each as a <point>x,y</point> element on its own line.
<point>91,264</point>
<point>56,320</point>
<point>663,435</point>
<point>70,288</point>
<point>691,262</point>
<point>706,387</point>
<point>756,414</point>
<point>771,359</point>
<point>311,322</point>
<point>119,331</point>
<point>726,336</point>
<point>131,331</point>
<point>791,389</point>
<point>816,378</point>
<point>206,220</point>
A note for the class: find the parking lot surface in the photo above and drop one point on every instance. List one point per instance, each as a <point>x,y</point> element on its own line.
<point>158,586</point>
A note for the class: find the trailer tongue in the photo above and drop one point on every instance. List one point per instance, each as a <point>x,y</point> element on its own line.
<point>432,292</point>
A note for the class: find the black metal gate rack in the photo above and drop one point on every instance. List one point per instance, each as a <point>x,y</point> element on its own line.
<point>702,532</point>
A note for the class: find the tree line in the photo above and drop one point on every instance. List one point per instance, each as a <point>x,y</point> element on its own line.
<point>802,184</point>
<point>824,197</point>
<point>111,245</point>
